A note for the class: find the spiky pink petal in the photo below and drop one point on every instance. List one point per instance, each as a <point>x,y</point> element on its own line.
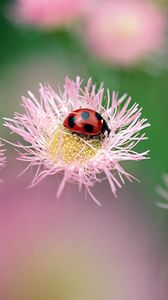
<point>163,192</point>
<point>2,157</point>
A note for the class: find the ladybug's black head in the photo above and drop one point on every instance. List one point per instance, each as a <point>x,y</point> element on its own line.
<point>105,128</point>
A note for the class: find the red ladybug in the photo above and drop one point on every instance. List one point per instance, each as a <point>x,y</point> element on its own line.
<point>86,121</point>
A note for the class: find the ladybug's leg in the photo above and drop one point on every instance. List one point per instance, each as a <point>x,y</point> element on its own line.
<point>84,136</point>
<point>101,136</point>
<point>81,135</point>
<point>75,134</point>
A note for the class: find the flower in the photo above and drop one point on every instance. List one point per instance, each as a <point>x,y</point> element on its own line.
<point>163,192</point>
<point>54,149</point>
<point>47,14</point>
<point>2,157</point>
<point>125,32</point>
<point>67,250</point>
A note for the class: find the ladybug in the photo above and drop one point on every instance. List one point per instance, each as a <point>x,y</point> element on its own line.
<point>86,121</point>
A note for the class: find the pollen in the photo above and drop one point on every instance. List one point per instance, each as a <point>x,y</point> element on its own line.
<point>71,148</point>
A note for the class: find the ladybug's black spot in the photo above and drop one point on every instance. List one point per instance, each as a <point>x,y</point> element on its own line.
<point>71,121</point>
<point>88,128</point>
<point>85,115</point>
<point>98,116</point>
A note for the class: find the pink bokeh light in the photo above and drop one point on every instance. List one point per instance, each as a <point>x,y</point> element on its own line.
<point>48,14</point>
<point>125,32</point>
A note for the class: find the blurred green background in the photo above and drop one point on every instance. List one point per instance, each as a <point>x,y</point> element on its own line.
<point>29,56</point>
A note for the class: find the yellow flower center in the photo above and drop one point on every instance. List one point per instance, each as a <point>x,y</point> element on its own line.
<point>72,148</point>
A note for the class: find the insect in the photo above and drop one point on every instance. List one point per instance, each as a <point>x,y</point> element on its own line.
<point>86,121</point>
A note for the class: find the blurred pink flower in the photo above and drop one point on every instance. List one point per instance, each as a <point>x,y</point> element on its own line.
<point>48,13</point>
<point>68,250</point>
<point>125,32</point>
<point>163,192</point>
<point>2,157</point>
<point>54,149</point>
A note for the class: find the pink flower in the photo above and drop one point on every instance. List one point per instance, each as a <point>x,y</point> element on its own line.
<point>53,149</point>
<point>69,250</point>
<point>2,157</point>
<point>125,32</point>
<point>48,14</point>
<point>163,192</point>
